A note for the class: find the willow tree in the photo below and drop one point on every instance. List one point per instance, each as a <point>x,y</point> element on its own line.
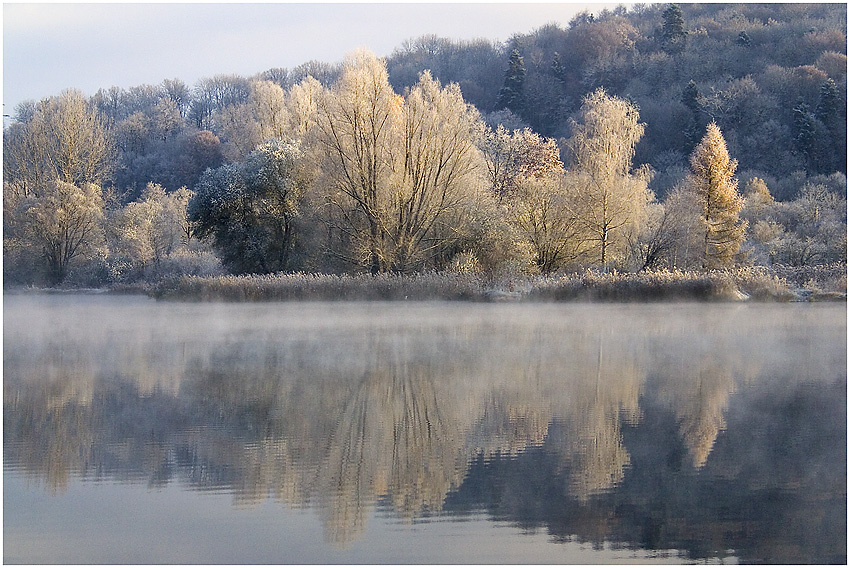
<point>610,199</point>
<point>395,170</point>
<point>713,185</point>
<point>354,131</point>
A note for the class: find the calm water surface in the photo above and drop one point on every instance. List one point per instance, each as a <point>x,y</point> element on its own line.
<point>145,432</point>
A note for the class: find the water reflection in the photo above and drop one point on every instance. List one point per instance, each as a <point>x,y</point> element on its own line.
<point>701,428</point>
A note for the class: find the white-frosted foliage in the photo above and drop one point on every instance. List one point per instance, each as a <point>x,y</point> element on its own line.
<point>609,198</point>
<point>396,171</point>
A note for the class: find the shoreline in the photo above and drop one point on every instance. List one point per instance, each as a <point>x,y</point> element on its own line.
<point>758,284</point>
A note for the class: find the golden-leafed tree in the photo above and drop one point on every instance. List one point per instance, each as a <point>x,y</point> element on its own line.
<point>713,184</point>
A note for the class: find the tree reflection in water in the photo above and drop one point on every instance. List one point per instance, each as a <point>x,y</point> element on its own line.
<point>418,415</point>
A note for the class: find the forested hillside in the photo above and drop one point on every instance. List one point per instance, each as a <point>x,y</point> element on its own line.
<point>654,136</point>
<point>773,77</point>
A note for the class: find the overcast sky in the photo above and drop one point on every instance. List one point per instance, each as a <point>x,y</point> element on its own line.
<point>51,47</point>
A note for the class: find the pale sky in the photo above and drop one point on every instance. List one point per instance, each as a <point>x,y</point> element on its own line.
<point>51,47</point>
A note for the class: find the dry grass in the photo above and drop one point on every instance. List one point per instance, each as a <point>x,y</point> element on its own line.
<point>300,286</point>
<point>752,283</point>
<point>663,285</point>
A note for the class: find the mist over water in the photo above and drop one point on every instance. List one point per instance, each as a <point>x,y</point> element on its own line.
<point>573,431</point>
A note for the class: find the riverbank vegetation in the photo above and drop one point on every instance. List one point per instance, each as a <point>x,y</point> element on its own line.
<point>822,283</point>
<point>622,156</point>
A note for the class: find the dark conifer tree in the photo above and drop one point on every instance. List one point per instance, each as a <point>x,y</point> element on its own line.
<point>805,140</point>
<point>558,68</point>
<point>511,95</point>
<point>829,103</point>
<point>673,31</point>
<point>834,125</point>
<point>693,128</point>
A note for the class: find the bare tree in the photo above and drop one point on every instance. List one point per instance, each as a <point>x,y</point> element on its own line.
<point>540,212</point>
<point>440,162</point>
<point>354,127</point>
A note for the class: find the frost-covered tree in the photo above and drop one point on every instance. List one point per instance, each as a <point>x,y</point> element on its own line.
<point>511,156</point>
<point>355,130</point>
<point>269,103</point>
<point>395,170</point>
<point>713,184</point>
<point>816,228</point>
<point>64,223</point>
<point>302,106</point>
<point>609,199</point>
<point>249,209</point>
<point>146,231</point>
<point>63,139</point>
<point>540,212</point>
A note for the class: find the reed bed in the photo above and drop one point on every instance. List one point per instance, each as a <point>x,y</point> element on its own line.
<point>746,283</point>
<point>302,286</point>
<point>662,285</point>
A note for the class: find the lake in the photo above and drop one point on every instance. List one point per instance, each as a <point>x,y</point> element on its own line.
<point>148,432</point>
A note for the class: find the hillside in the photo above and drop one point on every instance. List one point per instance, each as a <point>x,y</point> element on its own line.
<point>761,71</point>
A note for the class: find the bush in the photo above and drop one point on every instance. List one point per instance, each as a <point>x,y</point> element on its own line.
<point>184,262</point>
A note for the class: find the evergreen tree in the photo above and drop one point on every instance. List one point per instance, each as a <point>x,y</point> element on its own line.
<point>713,184</point>
<point>743,39</point>
<point>690,96</point>
<point>558,68</point>
<point>810,139</point>
<point>829,103</point>
<point>830,113</point>
<point>804,126</point>
<point>693,127</point>
<point>673,31</point>
<point>511,93</point>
